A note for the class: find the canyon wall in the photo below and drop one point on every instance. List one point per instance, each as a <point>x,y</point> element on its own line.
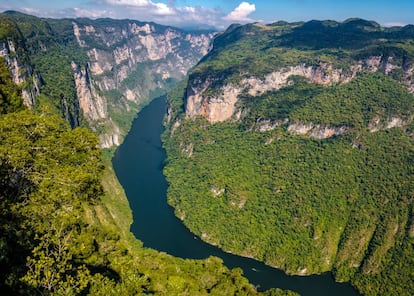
<point>109,68</point>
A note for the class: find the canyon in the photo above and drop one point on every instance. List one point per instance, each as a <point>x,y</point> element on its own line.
<point>223,104</point>
<point>122,65</point>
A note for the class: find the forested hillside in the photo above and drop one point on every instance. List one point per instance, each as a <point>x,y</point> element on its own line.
<point>96,73</point>
<point>293,143</point>
<point>63,228</point>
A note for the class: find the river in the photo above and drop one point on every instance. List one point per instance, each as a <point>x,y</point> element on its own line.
<point>138,164</point>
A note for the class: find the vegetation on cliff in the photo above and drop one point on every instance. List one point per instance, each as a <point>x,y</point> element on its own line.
<point>10,100</point>
<point>256,50</point>
<point>306,205</point>
<point>97,73</point>
<point>63,228</point>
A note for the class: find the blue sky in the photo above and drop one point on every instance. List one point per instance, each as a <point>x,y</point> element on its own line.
<point>221,13</point>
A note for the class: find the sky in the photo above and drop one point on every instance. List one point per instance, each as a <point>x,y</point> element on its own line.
<point>220,13</point>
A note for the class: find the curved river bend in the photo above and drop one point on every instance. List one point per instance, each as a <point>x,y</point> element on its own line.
<point>138,164</point>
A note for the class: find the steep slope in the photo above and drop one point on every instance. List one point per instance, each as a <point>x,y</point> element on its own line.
<point>293,144</point>
<point>96,72</point>
<point>59,237</point>
<point>312,50</point>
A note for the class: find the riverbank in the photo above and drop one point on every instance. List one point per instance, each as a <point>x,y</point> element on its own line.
<point>139,163</point>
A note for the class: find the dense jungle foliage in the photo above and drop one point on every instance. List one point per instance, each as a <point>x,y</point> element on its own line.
<point>256,49</point>
<point>10,100</point>
<point>64,222</point>
<point>303,204</point>
<point>47,49</point>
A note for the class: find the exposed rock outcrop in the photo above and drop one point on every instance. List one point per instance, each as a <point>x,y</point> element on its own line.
<point>265,125</point>
<point>131,58</point>
<point>92,104</point>
<point>21,73</point>
<point>217,191</point>
<point>323,74</point>
<point>117,66</point>
<point>118,50</point>
<point>376,124</point>
<point>317,131</point>
<point>221,106</point>
<point>112,138</point>
<point>216,108</point>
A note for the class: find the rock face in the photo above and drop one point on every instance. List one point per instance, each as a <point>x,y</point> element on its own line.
<point>376,124</point>
<point>316,131</point>
<point>221,106</point>
<point>92,104</point>
<point>117,65</point>
<point>21,73</point>
<point>216,108</point>
<point>131,58</point>
<point>125,48</point>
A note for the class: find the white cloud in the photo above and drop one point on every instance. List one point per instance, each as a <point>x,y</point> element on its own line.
<point>395,24</point>
<point>241,12</point>
<point>168,14</point>
<point>139,3</point>
<point>189,9</point>
<point>91,13</point>
<point>158,11</point>
<point>152,8</point>
<point>163,9</point>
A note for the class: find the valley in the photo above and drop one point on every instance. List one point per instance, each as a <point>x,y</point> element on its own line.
<point>287,143</point>
<point>295,148</point>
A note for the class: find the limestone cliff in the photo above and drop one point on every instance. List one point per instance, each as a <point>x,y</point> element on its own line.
<point>221,105</point>
<point>133,59</point>
<point>308,121</point>
<point>117,50</point>
<point>253,61</point>
<point>91,103</point>
<point>97,72</point>
<point>21,72</point>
